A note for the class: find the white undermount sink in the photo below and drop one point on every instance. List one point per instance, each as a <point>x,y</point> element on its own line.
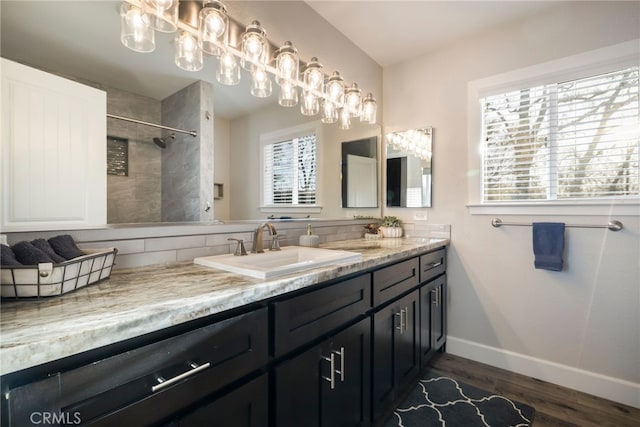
<point>291,259</point>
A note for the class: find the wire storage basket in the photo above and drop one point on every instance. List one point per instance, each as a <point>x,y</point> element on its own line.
<point>48,279</point>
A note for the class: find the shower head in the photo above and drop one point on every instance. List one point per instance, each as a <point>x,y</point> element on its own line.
<point>160,142</point>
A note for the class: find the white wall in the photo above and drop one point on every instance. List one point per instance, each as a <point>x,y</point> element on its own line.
<point>244,150</point>
<point>579,327</point>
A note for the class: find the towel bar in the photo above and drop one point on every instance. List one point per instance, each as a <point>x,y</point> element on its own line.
<point>612,225</point>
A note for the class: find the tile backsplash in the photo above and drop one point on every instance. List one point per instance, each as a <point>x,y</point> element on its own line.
<point>150,244</point>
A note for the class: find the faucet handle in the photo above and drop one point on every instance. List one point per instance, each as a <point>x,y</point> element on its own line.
<point>240,250</point>
<point>275,243</point>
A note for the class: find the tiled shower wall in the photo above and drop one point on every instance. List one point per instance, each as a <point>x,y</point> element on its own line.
<point>136,197</point>
<point>187,162</point>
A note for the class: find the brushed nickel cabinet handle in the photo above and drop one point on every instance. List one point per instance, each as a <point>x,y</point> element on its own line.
<point>434,301</point>
<point>433,265</point>
<point>332,370</point>
<point>402,314</point>
<point>341,371</point>
<point>162,383</point>
<point>406,318</point>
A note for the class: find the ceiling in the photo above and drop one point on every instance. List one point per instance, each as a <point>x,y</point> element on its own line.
<point>81,38</point>
<point>393,31</point>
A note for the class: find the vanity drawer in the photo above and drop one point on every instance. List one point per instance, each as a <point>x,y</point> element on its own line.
<point>149,383</point>
<point>432,264</point>
<point>306,317</point>
<point>393,280</point>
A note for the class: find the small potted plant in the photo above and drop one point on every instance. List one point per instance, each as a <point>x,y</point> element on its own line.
<point>390,226</point>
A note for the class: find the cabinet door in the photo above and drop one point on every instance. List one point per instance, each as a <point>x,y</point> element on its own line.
<point>438,314</point>
<point>396,349</point>
<point>53,151</point>
<point>347,403</point>
<point>246,406</point>
<point>310,393</point>
<point>427,309</point>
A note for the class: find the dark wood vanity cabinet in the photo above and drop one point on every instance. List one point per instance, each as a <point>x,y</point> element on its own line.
<point>245,406</point>
<point>146,384</point>
<point>336,354</point>
<point>328,384</point>
<point>396,349</point>
<point>433,332</point>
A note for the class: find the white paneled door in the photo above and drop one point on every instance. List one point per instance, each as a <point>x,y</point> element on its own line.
<point>53,151</point>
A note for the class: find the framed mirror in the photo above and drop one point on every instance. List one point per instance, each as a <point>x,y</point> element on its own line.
<point>360,173</point>
<point>409,161</point>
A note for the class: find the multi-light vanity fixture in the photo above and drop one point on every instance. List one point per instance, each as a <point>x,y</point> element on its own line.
<point>204,27</point>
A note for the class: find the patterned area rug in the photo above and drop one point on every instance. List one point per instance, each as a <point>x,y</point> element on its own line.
<point>442,401</point>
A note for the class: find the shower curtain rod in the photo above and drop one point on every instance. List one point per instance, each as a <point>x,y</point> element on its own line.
<point>612,225</point>
<point>193,133</point>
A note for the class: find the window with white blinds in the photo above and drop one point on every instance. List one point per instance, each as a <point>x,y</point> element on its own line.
<point>576,139</point>
<point>290,172</point>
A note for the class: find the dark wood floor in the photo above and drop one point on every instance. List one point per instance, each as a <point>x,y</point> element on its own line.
<point>555,405</point>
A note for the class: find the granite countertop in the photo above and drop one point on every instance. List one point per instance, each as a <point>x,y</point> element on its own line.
<point>137,301</point>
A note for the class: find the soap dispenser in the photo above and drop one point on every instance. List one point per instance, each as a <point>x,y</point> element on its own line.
<point>310,239</point>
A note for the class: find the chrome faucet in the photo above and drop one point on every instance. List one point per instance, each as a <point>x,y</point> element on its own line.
<point>257,238</point>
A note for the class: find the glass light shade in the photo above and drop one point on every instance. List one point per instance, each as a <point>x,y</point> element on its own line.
<point>228,69</point>
<point>344,119</point>
<point>313,77</point>
<point>287,63</point>
<point>288,94</point>
<point>134,31</point>
<point>329,112</point>
<point>334,88</point>
<point>353,99</point>
<point>162,15</point>
<point>188,54</point>
<point>260,83</point>
<point>213,27</point>
<point>310,105</point>
<point>369,109</point>
<point>254,45</point>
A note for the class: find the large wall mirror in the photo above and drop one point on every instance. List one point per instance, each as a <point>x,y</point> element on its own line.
<point>409,164</point>
<point>172,174</point>
<point>360,173</point>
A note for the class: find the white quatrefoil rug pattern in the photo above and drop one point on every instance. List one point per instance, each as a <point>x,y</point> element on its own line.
<point>443,401</point>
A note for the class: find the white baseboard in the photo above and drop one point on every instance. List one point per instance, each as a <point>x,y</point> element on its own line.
<point>610,388</point>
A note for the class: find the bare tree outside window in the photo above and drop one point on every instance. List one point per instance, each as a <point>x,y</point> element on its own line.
<point>576,139</point>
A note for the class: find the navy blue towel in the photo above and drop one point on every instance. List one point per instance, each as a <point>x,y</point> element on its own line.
<point>548,245</point>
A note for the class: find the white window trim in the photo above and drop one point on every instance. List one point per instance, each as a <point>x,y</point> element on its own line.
<point>283,135</point>
<point>586,64</point>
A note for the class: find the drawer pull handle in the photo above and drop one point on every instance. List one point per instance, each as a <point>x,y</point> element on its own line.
<point>433,265</point>
<point>341,371</point>
<point>332,370</point>
<point>165,383</point>
<point>404,316</point>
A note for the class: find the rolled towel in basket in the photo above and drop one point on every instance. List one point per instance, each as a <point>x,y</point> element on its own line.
<point>28,254</point>
<point>45,247</point>
<point>7,257</point>
<point>65,246</point>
